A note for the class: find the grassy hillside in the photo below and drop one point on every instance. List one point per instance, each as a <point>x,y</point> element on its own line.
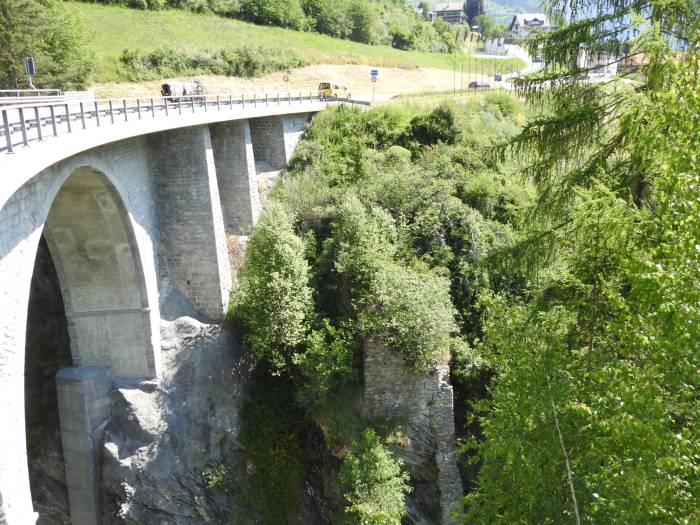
<point>116,28</point>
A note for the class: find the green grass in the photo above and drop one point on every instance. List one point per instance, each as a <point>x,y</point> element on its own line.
<point>116,28</point>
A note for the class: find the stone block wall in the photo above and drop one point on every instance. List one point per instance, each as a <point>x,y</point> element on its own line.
<point>191,220</point>
<point>269,147</point>
<point>235,172</point>
<point>424,401</point>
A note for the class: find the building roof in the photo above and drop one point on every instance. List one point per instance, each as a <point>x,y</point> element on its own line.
<point>449,6</point>
<point>525,19</point>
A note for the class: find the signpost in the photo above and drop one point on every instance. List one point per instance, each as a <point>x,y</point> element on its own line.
<point>374,73</point>
<point>30,68</point>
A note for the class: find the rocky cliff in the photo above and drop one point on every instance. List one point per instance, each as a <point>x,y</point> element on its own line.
<point>171,454</point>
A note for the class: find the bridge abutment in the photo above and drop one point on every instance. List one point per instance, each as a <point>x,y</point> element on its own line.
<point>191,219</point>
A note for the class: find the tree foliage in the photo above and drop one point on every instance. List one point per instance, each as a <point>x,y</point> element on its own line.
<point>54,37</point>
<point>374,482</point>
<point>593,415</point>
<point>273,301</point>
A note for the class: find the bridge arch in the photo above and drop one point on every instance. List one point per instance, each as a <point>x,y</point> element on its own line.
<point>102,241</point>
<point>93,246</point>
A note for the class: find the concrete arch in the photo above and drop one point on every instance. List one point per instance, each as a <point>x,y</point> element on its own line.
<point>101,276</point>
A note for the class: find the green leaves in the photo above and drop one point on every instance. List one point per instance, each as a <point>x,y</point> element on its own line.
<point>374,482</point>
<point>273,301</point>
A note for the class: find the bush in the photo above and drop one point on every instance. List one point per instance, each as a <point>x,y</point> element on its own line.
<point>283,13</point>
<point>272,304</point>
<point>364,22</point>
<point>245,61</point>
<point>327,17</point>
<point>56,39</point>
<point>409,311</point>
<point>374,482</point>
<point>437,126</point>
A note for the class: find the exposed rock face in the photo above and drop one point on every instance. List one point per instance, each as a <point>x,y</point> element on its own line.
<point>166,437</point>
<point>423,401</point>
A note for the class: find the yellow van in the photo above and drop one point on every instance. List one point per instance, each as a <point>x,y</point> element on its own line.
<point>328,90</point>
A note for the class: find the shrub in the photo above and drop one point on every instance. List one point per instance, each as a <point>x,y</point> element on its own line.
<point>283,13</point>
<point>245,61</point>
<point>272,304</point>
<point>374,482</point>
<point>364,22</point>
<point>437,126</point>
<point>409,311</point>
<point>327,17</point>
<point>504,102</point>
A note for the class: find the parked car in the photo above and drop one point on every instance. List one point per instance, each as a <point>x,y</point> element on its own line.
<point>478,84</point>
<point>172,90</point>
<point>497,77</point>
<point>537,58</point>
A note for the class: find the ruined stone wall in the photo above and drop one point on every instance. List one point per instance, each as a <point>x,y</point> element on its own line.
<point>424,402</point>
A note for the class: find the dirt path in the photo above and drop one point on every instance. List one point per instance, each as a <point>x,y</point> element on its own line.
<point>357,77</point>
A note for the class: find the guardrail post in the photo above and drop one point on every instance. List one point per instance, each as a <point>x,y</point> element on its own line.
<point>300,99</point>
<point>6,126</point>
<point>218,103</point>
<point>138,107</point>
<point>82,114</point>
<point>204,101</point>
<point>266,101</point>
<point>24,127</point>
<point>68,119</point>
<point>230,101</point>
<point>179,105</point>
<point>192,100</point>
<point>53,120</point>
<point>111,111</point>
<point>153,109</point>
<point>97,114</point>
<point>38,123</point>
<point>242,101</point>
<point>255,102</point>
<point>126,113</point>
<point>165,104</point>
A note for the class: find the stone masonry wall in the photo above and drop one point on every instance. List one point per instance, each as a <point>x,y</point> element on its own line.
<point>235,172</point>
<point>268,141</point>
<point>191,221</point>
<point>424,402</point>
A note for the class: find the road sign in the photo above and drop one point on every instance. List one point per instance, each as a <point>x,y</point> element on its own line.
<point>374,72</point>
<point>374,78</point>
<point>29,66</point>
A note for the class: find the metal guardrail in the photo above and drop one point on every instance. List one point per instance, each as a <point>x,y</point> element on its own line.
<point>24,124</point>
<point>29,92</point>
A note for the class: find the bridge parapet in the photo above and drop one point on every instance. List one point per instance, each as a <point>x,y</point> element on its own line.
<point>26,123</point>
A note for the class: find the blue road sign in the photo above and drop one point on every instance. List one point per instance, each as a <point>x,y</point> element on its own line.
<point>374,72</point>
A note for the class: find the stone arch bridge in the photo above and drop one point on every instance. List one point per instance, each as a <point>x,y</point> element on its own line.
<point>132,199</point>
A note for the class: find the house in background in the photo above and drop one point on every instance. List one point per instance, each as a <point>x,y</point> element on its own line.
<point>523,23</point>
<point>452,12</point>
<point>429,16</point>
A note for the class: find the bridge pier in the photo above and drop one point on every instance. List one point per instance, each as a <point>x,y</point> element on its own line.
<point>84,409</point>
<point>191,220</point>
<point>274,138</point>
<point>236,175</point>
